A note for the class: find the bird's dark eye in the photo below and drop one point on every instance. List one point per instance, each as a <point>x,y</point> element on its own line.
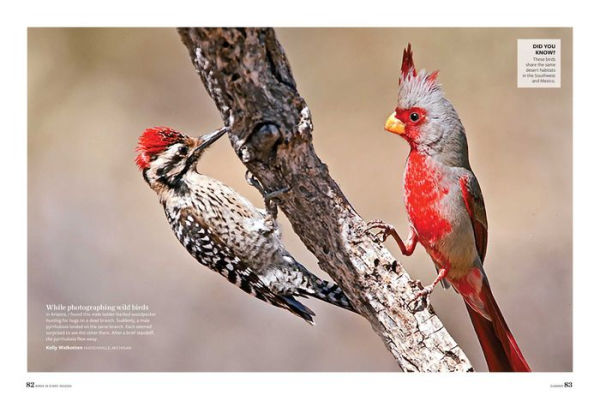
<point>414,117</point>
<point>183,150</point>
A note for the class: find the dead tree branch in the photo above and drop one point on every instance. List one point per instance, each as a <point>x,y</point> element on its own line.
<point>248,76</point>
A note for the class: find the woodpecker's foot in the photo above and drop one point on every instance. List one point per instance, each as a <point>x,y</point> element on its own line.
<point>251,179</point>
<point>385,230</point>
<point>271,198</point>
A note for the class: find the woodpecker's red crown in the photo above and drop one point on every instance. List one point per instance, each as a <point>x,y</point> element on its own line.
<point>154,141</point>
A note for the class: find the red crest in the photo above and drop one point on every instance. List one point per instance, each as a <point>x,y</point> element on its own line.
<point>154,141</point>
<point>407,63</point>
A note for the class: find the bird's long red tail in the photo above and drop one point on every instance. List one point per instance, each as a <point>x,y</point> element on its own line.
<point>500,349</point>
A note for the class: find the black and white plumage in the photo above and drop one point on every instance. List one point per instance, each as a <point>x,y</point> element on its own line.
<point>222,229</point>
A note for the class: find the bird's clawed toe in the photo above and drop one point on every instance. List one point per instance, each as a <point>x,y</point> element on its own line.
<point>251,180</point>
<point>378,236</point>
<point>421,298</point>
<point>271,198</point>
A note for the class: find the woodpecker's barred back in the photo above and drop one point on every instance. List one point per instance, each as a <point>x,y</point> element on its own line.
<point>223,230</point>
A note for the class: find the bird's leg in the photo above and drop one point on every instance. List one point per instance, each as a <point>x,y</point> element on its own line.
<point>387,230</point>
<point>270,198</point>
<point>424,293</point>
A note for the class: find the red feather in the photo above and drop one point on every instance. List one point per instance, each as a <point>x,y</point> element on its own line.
<point>433,76</point>
<point>154,141</point>
<point>407,63</point>
<point>422,196</point>
<point>500,349</point>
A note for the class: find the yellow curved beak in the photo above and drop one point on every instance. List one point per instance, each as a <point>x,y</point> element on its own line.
<point>394,125</point>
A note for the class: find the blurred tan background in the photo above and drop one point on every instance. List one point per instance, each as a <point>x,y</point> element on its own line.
<point>97,233</point>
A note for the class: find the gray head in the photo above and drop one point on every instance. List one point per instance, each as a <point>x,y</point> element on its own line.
<point>425,118</point>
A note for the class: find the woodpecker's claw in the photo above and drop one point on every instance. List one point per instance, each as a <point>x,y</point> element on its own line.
<point>385,230</point>
<point>271,198</point>
<point>251,179</point>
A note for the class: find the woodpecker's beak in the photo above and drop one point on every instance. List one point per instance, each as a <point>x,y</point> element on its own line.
<point>209,139</point>
<point>394,125</point>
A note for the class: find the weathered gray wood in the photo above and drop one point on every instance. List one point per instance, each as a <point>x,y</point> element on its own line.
<point>248,76</point>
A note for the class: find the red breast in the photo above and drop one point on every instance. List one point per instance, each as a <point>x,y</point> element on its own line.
<point>424,192</point>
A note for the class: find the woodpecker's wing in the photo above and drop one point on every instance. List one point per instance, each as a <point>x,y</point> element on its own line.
<point>476,208</point>
<point>209,249</point>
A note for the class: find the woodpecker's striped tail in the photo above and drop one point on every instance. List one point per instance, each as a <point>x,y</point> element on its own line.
<point>328,292</point>
<point>290,303</point>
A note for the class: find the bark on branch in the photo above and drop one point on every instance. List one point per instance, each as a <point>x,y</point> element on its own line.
<point>248,76</point>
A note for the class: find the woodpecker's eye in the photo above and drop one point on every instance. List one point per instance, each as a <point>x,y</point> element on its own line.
<point>414,117</point>
<point>183,150</point>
